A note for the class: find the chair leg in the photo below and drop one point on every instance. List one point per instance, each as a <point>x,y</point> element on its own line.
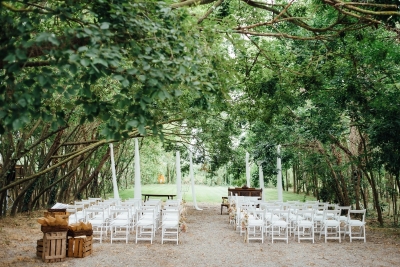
<point>365,240</point>
<point>350,235</point>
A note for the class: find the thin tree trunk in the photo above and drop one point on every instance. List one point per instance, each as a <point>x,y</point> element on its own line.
<point>94,174</point>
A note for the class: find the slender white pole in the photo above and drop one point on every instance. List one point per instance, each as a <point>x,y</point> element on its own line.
<point>138,186</point>
<point>261,177</point>
<point>178,176</point>
<point>191,174</point>
<point>279,177</point>
<point>247,169</point>
<point>114,176</point>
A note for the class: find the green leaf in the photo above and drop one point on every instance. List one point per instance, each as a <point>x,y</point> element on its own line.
<point>42,37</point>
<point>22,102</point>
<point>52,39</point>
<point>21,54</point>
<point>118,77</point>
<point>132,124</point>
<point>100,61</point>
<point>88,31</point>
<point>10,58</point>
<point>17,124</point>
<point>42,80</point>
<point>85,62</point>
<point>142,78</point>
<point>82,48</point>
<point>73,68</point>
<point>125,83</point>
<point>142,129</point>
<point>161,95</point>
<point>132,71</point>
<point>105,26</point>
<point>182,70</point>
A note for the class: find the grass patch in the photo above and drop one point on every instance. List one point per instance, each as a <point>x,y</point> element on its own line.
<point>206,194</point>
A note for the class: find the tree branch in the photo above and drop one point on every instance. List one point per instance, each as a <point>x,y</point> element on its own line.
<point>209,11</point>
<point>189,3</point>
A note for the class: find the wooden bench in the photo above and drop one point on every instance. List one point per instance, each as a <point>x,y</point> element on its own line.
<point>241,191</point>
<point>245,191</point>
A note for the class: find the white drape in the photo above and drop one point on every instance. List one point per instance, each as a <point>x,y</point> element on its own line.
<point>138,185</point>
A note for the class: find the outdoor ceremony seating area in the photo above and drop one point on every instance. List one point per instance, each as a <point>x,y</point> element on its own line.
<point>119,220</point>
<point>297,221</point>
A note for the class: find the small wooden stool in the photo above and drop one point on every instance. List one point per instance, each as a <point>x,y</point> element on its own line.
<point>224,203</point>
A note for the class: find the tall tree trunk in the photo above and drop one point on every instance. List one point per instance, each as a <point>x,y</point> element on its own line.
<point>337,185</point>
<point>357,186</point>
<point>371,179</point>
<point>287,181</point>
<point>94,174</point>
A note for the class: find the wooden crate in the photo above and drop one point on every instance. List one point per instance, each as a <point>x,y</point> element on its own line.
<point>79,233</point>
<point>39,248</point>
<point>53,246</point>
<point>80,247</point>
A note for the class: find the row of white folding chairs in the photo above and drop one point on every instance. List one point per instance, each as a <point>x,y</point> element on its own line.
<point>151,217</point>
<point>288,218</point>
<point>101,214</point>
<point>120,218</point>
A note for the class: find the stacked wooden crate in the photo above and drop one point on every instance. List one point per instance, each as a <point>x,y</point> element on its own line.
<point>80,246</point>
<point>61,240</point>
<point>53,246</point>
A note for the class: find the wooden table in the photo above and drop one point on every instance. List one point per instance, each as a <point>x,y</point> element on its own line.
<point>147,196</point>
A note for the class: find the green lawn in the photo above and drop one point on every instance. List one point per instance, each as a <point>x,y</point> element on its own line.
<point>206,194</point>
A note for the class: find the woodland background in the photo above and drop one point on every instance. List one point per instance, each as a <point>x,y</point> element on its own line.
<point>319,77</point>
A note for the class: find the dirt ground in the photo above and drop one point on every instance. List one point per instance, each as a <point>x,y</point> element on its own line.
<point>209,241</point>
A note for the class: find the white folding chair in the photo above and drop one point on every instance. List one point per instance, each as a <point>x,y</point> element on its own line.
<point>170,225</point>
<point>145,224</point>
<point>255,226</point>
<point>98,218</point>
<point>331,225</point>
<point>359,224</point>
<point>120,223</point>
<point>77,213</point>
<point>304,225</point>
<point>279,228</point>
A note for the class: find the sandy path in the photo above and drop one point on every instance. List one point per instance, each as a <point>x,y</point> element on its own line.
<point>209,241</point>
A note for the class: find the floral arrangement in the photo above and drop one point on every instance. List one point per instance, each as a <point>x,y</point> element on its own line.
<point>182,224</point>
<point>232,213</point>
<point>245,223</point>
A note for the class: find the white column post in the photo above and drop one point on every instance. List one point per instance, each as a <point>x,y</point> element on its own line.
<point>114,176</point>
<point>178,176</point>
<point>247,169</point>
<point>261,178</point>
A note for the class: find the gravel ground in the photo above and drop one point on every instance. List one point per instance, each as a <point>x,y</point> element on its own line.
<point>209,241</point>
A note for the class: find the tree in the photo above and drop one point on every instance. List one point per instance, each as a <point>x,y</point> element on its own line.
<point>122,62</point>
